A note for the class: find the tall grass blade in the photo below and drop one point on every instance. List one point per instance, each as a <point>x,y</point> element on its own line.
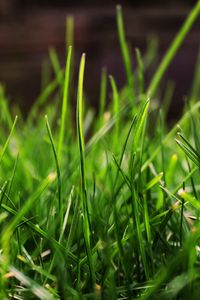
<point>124,50</point>
<point>60,200</point>
<point>85,215</point>
<point>102,97</point>
<point>115,105</point>
<point>69,32</point>
<point>140,71</point>
<point>55,63</point>
<point>64,102</point>
<point>8,140</point>
<point>171,52</point>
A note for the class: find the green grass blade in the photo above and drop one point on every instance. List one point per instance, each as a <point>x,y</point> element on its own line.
<point>171,52</point>
<point>140,240</point>
<point>79,117</point>
<point>119,170</point>
<point>74,222</point>
<point>115,105</point>
<point>140,123</point>
<point>64,102</point>
<point>102,97</point>
<point>5,112</point>
<point>85,215</point>
<point>66,215</point>
<point>44,96</point>
<point>55,63</point>
<point>189,150</point>
<point>60,200</point>
<point>124,49</point>
<point>167,99</point>
<point>189,198</point>
<point>8,140</point>
<point>170,134</point>
<point>41,233</point>
<point>140,71</point>
<point>13,175</point>
<point>69,32</point>
<point>166,272</point>
<point>153,182</point>
<point>30,202</point>
<point>120,246</point>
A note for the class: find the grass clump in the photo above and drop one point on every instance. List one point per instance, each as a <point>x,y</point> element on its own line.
<point>109,210</point>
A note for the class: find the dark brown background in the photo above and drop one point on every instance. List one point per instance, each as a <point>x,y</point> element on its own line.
<point>28,28</point>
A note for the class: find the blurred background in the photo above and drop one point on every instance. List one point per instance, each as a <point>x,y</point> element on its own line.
<point>29,27</point>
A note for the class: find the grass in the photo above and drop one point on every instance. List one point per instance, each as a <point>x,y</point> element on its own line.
<point>109,208</point>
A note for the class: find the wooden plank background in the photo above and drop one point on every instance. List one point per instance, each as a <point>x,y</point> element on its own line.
<point>26,34</point>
